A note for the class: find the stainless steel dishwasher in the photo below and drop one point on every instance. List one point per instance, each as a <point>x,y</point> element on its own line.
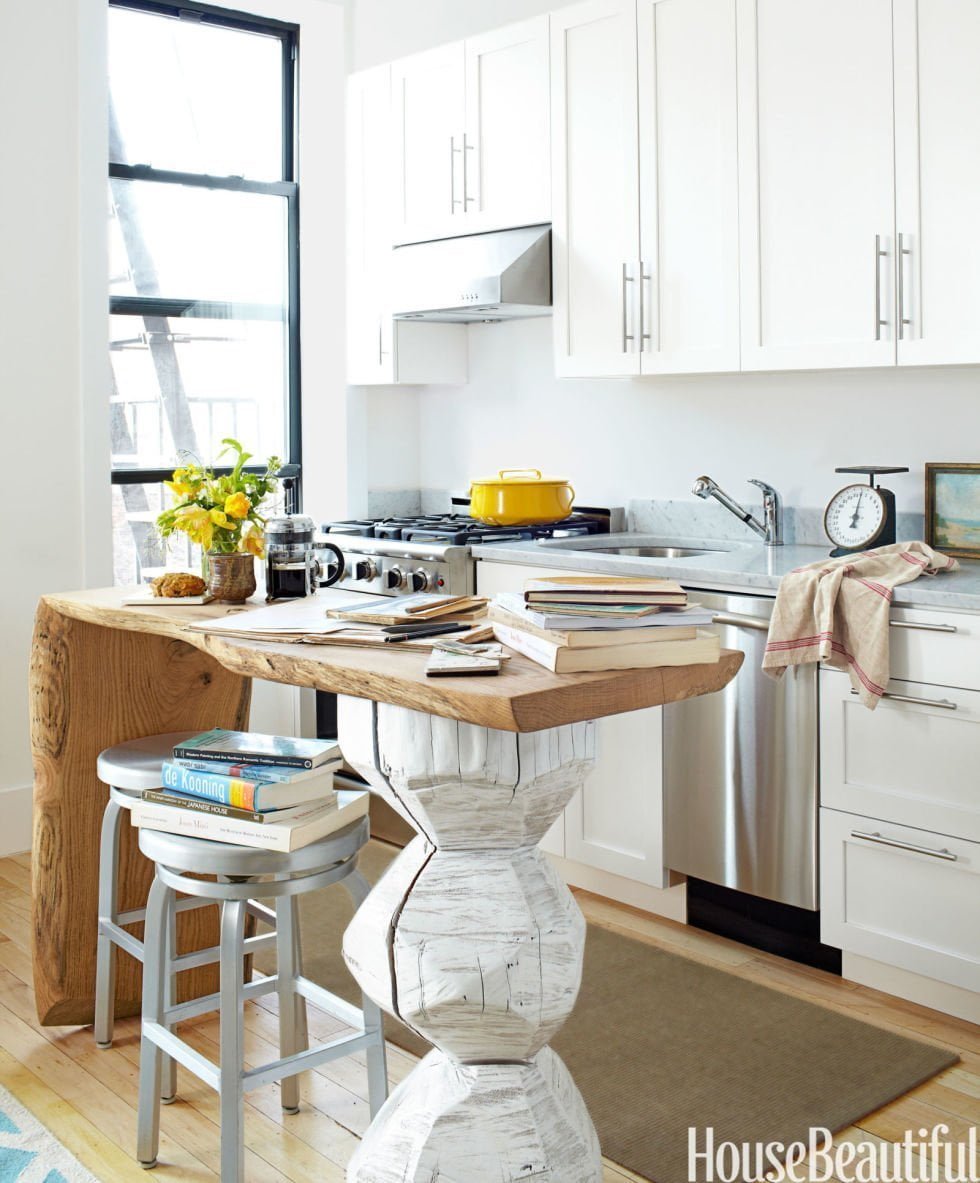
<point>741,770</point>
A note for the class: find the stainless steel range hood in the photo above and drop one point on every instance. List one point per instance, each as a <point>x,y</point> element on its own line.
<point>501,275</point>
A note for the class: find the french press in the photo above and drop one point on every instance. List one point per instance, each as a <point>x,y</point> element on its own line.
<point>293,567</point>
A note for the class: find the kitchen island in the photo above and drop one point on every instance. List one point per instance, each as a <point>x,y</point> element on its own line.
<point>471,938</point>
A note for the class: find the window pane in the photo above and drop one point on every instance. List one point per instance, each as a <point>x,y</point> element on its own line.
<point>182,384</point>
<point>177,240</point>
<point>194,97</point>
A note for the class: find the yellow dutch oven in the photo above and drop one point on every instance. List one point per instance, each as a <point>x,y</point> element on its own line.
<point>520,497</point>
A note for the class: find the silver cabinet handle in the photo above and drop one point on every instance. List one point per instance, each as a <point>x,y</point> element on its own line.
<point>627,335</point>
<point>737,621</point>
<point>900,264</point>
<point>879,255</point>
<point>467,200</point>
<point>645,277</point>
<point>926,628</point>
<point>945,854</point>
<point>453,199</point>
<point>919,702</point>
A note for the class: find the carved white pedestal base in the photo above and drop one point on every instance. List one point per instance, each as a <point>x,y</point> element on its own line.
<point>464,1122</point>
<point>473,940</point>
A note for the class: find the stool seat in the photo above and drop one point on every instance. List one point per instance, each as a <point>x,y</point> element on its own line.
<point>205,857</point>
<point>135,765</point>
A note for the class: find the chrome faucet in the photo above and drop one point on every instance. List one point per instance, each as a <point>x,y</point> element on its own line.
<point>772,507</point>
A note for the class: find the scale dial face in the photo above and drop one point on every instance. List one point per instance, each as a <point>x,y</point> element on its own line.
<point>855,517</point>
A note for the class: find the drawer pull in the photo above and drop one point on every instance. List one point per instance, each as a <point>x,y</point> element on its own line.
<point>925,628</point>
<point>735,621</point>
<point>945,854</point>
<point>919,702</point>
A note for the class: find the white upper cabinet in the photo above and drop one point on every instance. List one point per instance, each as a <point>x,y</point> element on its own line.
<point>817,189</point>
<point>937,155</point>
<point>471,132</point>
<point>506,167</point>
<point>688,186</point>
<point>645,180</point>
<point>380,350</point>
<point>428,92</point>
<point>595,189</point>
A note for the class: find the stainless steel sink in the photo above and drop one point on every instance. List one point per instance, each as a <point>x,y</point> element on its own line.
<point>653,552</point>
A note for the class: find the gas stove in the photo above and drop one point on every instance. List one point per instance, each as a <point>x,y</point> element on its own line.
<point>431,552</point>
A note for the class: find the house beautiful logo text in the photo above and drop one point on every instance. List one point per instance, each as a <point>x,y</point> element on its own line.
<point>927,1158</point>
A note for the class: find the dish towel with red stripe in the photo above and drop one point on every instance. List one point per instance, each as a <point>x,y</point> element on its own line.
<point>836,611</point>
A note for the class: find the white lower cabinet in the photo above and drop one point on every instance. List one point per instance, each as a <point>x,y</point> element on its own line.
<point>902,897</point>
<point>610,838</point>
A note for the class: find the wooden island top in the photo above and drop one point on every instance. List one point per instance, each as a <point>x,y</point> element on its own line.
<point>523,697</point>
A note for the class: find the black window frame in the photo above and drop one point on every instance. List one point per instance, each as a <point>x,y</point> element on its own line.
<point>287,187</point>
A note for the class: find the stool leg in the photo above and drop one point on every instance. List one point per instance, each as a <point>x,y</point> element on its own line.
<point>293,1035</point>
<point>105,963</point>
<point>232,1026</point>
<point>377,1061</point>
<point>168,1089</point>
<point>151,1058</point>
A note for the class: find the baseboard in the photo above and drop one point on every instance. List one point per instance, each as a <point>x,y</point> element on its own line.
<point>670,902</point>
<point>15,819</point>
<point>941,996</point>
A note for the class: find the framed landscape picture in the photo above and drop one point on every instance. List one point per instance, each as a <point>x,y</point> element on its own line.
<point>953,509</point>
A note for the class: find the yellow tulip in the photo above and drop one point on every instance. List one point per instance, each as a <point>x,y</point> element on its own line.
<point>237,505</point>
<point>219,518</point>
<point>195,522</point>
<point>179,488</point>
<point>254,544</point>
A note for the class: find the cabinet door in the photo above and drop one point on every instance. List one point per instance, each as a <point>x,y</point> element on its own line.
<point>595,194</point>
<point>901,896</point>
<point>937,157</point>
<point>616,822</point>
<point>506,167</point>
<point>370,353</point>
<point>816,180</point>
<point>428,107</point>
<point>688,186</point>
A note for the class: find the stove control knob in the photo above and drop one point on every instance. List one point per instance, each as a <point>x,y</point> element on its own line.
<point>365,570</point>
<point>422,580</point>
<point>395,577</point>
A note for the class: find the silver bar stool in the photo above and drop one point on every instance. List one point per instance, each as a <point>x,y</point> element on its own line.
<point>283,877</point>
<point>128,769</point>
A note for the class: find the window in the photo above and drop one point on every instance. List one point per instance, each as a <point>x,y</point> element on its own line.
<point>204,268</point>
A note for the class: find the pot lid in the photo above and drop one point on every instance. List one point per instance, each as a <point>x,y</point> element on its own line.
<point>520,476</point>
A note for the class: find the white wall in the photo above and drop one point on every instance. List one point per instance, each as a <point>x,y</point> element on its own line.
<point>53,409</point>
<point>622,439</point>
<point>648,438</point>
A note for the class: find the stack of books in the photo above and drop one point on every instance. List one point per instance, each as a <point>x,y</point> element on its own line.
<point>571,624</point>
<point>267,791</point>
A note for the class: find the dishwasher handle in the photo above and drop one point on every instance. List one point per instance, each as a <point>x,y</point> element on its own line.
<point>737,621</point>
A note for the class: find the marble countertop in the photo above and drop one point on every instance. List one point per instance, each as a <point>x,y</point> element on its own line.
<point>749,566</point>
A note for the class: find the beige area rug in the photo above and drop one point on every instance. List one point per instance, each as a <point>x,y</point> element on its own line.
<point>659,1043</point>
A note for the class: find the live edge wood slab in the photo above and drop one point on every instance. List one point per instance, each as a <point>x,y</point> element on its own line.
<point>471,938</point>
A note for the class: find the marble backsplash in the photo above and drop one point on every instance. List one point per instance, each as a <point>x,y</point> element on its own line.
<point>694,519</point>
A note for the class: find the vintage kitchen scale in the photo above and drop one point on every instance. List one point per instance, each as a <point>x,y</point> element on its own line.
<point>859,516</point>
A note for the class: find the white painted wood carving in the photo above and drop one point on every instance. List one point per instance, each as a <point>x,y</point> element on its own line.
<point>473,940</point>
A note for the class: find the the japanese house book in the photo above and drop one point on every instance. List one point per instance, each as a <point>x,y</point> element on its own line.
<point>249,791</point>
<point>306,826</point>
<point>247,747</point>
<point>604,590</point>
<point>175,800</point>
<point>561,659</point>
